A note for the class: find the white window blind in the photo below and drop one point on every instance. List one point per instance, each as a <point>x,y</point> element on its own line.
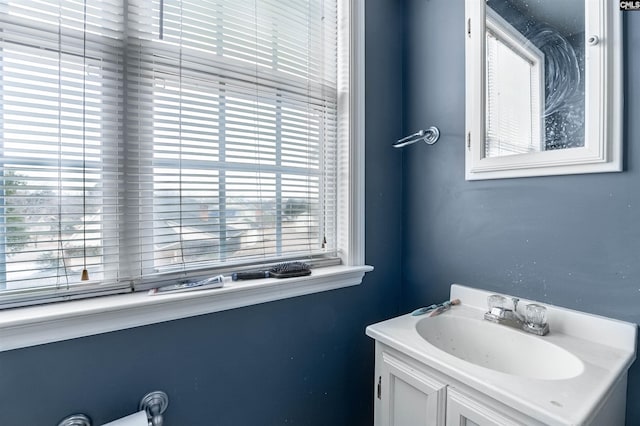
<point>233,113</point>
<point>61,92</point>
<point>151,137</point>
<point>514,91</point>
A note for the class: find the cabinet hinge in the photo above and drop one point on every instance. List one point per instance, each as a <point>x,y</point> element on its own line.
<point>380,387</point>
<point>469,141</point>
<point>469,27</point>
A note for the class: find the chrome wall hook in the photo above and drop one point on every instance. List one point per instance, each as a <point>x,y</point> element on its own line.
<point>429,136</point>
<point>155,404</point>
<point>75,420</point>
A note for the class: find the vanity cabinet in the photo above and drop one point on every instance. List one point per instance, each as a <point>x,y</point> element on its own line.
<point>464,410</point>
<point>407,395</point>
<point>411,394</point>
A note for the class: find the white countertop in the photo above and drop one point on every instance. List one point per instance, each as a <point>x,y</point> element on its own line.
<point>605,346</point>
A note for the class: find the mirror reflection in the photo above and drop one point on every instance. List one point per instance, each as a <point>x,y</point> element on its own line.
<point>535,76</point>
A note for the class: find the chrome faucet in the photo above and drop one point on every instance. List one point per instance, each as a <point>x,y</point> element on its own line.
<point>534,321</point>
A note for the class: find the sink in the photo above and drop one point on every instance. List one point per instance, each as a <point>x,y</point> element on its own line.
<point>499,348</point>
<point>575,375</point>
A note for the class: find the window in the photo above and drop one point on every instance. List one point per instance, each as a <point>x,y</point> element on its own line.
<point>148,141</point>
<point>61,135</point>
<point>515,91</point>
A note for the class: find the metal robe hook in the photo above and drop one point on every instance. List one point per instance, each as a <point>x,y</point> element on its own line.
<point>429,136</point>
<point>76,420</point>
<point>155,404</point>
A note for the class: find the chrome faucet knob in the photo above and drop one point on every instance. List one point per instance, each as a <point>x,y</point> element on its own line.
<point>536,319</point>
<point>536,315</point>
<point>495,301</point>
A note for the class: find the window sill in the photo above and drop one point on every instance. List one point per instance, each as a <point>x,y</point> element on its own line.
<point>35,325</point>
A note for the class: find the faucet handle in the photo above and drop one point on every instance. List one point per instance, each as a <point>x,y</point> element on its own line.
<point>536,319</point>
<point>536,315</point>
<point>496,301</point>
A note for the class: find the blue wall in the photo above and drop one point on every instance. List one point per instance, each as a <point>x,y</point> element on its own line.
<point>572,241</point>
<point>301,361</point>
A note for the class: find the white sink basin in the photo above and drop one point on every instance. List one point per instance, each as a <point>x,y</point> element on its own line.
<point>499,347</point>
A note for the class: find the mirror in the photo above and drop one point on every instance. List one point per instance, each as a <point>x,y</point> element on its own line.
<point>543,88</point>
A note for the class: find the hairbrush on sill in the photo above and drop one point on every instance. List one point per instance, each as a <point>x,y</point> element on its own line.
<point>281,270</point>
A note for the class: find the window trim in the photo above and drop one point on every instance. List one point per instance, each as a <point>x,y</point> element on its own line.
<point>53,322</point>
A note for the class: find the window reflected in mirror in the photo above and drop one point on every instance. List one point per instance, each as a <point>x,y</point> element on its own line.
<point>535,76</point>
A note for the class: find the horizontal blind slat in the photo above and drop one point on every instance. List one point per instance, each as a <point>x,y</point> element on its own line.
<point>61,113</point>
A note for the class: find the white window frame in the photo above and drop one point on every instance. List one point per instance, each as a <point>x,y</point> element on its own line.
<point>34,325</point>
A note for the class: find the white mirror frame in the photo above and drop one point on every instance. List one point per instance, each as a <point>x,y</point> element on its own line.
<point>602,151</point>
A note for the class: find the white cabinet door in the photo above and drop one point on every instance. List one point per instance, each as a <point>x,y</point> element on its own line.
<point>465,411</point>
<point>407,396</point>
